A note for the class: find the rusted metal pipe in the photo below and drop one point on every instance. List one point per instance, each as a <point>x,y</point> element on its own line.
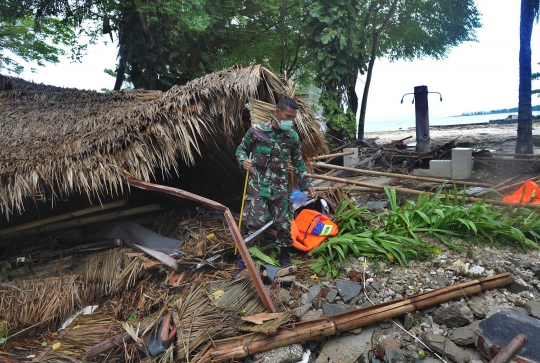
<point>253,271</point>
<point>511,350</point>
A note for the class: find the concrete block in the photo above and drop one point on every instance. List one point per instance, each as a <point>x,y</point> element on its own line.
<point>350,160</point>
<point>440,168</point>
<point>462,163</point>
<point>420,172</point>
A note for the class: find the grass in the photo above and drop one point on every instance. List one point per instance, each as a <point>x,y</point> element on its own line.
<point>396,234</point>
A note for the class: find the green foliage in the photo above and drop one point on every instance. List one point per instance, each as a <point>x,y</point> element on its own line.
<point>19,41</point>
<point>394,235</point>
<point>261,257</point>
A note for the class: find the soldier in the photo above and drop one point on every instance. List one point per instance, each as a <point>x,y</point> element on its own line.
<point>267,198</point>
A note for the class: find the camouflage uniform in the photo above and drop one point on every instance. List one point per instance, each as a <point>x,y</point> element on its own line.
<point>268,192</point>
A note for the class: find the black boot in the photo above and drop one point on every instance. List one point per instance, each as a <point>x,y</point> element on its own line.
<point>285,257</point>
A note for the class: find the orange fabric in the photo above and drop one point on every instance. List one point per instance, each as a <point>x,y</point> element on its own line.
<point>307,233</point>
<point>528,193</point>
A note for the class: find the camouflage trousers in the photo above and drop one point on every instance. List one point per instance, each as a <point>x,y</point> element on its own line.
<point>260,210</point>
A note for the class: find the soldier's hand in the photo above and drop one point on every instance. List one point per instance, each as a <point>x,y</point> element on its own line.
<point>310,192</point>
<point>247,164</point>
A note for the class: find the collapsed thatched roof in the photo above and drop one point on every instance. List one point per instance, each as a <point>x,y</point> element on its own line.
<point>57,141</point>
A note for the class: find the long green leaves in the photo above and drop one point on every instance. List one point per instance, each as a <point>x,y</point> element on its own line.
<point>394,234</point>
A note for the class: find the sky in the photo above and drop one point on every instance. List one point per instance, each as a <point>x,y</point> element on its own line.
<point>476,76</point>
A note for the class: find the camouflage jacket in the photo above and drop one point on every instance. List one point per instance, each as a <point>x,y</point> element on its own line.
<point>271,149</point>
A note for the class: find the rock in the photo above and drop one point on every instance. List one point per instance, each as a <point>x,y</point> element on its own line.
<point>459,268</point>
<point>301,310</point>
<point>296,291</point>
<point>385,324</point>
<point>465,335</point>
<point>312,293</point>
<point>285,280</point>
<point>496,331</point>
<point>376,207</point>
<point>290,353</point>
<point>331,295</point>
<point>348,290</point>
<point>518,286</point>
<point>408,321</point>
<point>453,316</point>
<point>533,307</point>
<point>285,295</point>
<point>442,281</point>
<point>375,286</point>
<point>477,270</point>
<point>346,348</point>
<point>312,315</point>
<point>520,310</point>
<point>478,308</point>
<point>391,350</point>
<point>445,346</point>
<point>333,309</point>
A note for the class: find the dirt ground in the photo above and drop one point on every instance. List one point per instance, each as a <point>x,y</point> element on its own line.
<point>500,137</point>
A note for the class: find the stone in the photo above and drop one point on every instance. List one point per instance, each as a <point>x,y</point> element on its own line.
<point>445,346</point>
<point>518,286</point>
<point>477,270</point>
<point>392,351</point>
<point>331,296</point>
<point>301,310</point>
<point>376,207</point>
<point>296,291</point>
<point>533,307</point>
<point>408,321</point>
<point>375,286</point>
<point>285,295</point>
<point>333,309</point>
<point>312,315</point>
<point>442,281</point>
<point>465,335</point>
<point>496,331</point>
<point>290,353</point>
<point>285,280</point>
<point>385,324</point>
<point>452,316</point>
<point>346,348</point>
<point>478,308</point>
<point>520,310</point>
<point>348,290</point>
<point>312,293</point>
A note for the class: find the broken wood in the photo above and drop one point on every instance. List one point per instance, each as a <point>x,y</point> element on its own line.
<point>87,220</point>
<point>160,256</point>
<point>501,184</point>
<point>61,217</point>
<point>321,157</point>
<point>246,257</point>
<point>286,271</point>
<point>261,318</point>
<point>418,192</point>
<point>401,176</point>
<point>249,344</point>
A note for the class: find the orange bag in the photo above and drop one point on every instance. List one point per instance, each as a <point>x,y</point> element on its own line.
<point>310,228</point>
<point>528,193</point>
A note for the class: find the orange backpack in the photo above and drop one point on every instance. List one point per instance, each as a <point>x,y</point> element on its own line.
<point>310,228</point>
<point>529,193</point>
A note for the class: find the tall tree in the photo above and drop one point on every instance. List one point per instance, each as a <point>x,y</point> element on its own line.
<point>529,11</point>
<point>409,29</point>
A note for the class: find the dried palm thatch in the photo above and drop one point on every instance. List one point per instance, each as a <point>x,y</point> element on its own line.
<point>61,292</point>
<point>59,141</point>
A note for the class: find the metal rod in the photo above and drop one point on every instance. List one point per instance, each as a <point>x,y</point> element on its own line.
<point>422,118</point>
<point>511,350</point>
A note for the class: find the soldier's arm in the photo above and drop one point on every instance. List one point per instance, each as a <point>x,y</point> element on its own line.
<point>300,169</point>
<point>243,150</point>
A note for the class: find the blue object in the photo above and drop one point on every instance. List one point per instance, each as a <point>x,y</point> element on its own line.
<point>298,198</point>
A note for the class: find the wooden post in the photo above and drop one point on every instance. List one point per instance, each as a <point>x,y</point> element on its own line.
<point>422,118</point>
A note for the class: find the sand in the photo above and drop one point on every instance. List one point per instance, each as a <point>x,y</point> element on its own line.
<point>477,136</point>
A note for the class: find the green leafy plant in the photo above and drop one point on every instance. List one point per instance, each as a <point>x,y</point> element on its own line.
<point>395,234</point>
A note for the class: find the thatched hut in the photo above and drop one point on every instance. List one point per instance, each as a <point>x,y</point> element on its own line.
<point>61,144</point>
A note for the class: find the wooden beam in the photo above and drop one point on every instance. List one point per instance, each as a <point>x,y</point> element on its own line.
<point>321,157</point>
<point>401,176</point>
<point>61,217</point>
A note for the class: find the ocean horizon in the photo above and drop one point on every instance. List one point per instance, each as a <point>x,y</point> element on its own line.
<point>392,124</point>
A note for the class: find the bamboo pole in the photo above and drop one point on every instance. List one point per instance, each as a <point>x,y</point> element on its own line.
<point>88,220</point>
<point>501,184</point>
<point>242,346</point>
<point>321,157</point>
<point>418,192</point>
<point>61,217</point>
<point>402,176</point>
<point>356,189</point>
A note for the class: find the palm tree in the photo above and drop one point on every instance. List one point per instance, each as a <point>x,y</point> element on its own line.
<point>529,11</point>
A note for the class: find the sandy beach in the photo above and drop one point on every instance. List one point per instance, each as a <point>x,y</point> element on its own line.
<point>476,136</point>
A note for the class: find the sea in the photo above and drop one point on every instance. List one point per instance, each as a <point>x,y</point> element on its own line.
<point>406,123</point>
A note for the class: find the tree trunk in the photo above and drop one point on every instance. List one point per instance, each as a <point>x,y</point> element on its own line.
<point>120,71</point>
<point>524,143</point>
<point>362,120</point>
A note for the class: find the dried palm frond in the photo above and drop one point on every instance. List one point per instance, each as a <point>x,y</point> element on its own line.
<point>101,139</point>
